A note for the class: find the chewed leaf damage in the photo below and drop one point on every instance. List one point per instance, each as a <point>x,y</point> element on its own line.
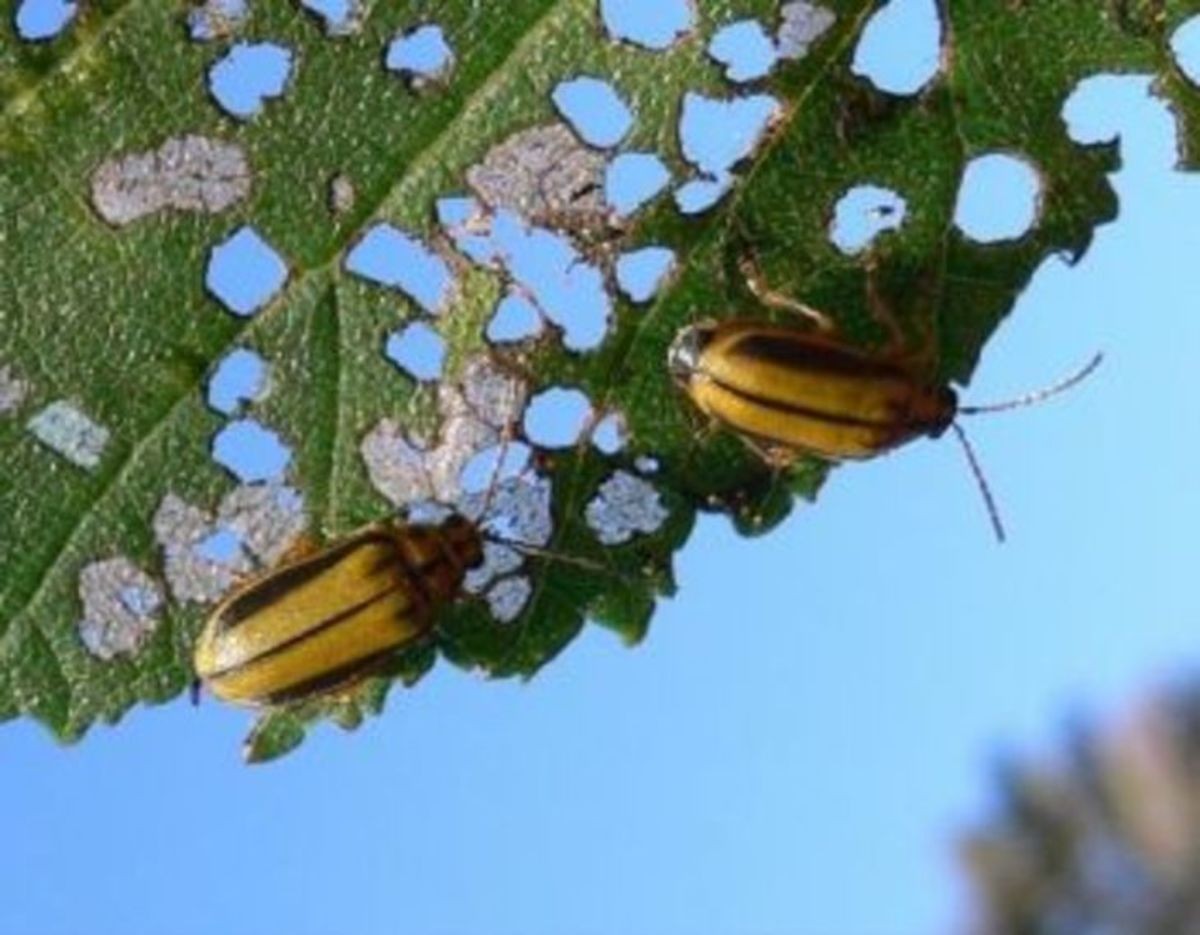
<point>187,173</point>
<point>445,235</point>
<point>121,607</point>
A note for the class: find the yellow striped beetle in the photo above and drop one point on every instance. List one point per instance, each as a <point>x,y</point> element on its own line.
<point>321,623</point>
<point>794,392</point>
<point>789,391</point>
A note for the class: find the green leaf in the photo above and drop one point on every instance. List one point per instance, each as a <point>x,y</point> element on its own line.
<point>116,322</point>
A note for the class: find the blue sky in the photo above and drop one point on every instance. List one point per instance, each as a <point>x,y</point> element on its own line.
<point>807,726</point>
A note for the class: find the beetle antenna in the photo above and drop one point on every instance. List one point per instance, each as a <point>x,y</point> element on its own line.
<point>988,500</point>
<point>1031,398</point>
<point>578,561</point>
<point>497,469</point>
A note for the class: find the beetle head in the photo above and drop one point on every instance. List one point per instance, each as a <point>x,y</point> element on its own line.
<point>683,356</point>
<point>462,536</point>
<point>947,410</point>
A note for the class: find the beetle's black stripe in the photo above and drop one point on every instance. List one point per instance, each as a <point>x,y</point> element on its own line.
<point>823,358</point>
<point>331,679</point>
<point>319,626</point>
<point>276,585</point>
<point>820,415</point>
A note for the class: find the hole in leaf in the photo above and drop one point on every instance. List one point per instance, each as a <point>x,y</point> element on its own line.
<point>216,19</point>
<point>624,505</point>
<point>418,350</point>
<point>470,227</point>
<point>250,452</point>
<point>801,24</point>
<point>341,17</point>
<point>392,258</point>
<point>594,109</point>
<point>244,272</point>
<point>515,319</point>
<point>745,49</point>
<point>486,467</point>
<point>1101,108</point>
<point>569,291</point>
<point>716,133</point>
<point>456,211</point>
<point>224,545</point>
<point>408,469</point>
<point>566,289</point>
<point>556,417</point>
<point>120,607</point>
<point>862,214</point>
<point>42,20</point>
<point>497,560</point>
<point>1185,44</point>
<point>701,194</point>
<point>900,47</point>
<point>64,428</point>
<point>265,520</point>
<point>654,25</point>
<point>138,600</point>
<point>519,510</point>
<point>179,528</point>
<point>186,173</point>
<point>248,75</point>
<point>640,273</point>
<point>998,199</point>
<point>632,179</point>
<point>1088,111</point>
<point>240,377</point>
<point>609,434</point>
<point>421,56</point>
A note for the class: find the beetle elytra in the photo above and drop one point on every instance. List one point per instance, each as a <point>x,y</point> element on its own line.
<point>322,622</point>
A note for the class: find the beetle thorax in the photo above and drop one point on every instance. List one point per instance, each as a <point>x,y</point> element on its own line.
<point>462,539</point>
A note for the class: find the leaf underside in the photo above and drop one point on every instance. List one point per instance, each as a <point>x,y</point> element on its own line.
<point>118,320</point>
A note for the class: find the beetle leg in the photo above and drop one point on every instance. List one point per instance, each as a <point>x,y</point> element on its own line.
<point>706,431</point>
<point>780,302</point>
<point>703,428</point>
<point>347,693</point>
<point>881,311</point>
<point>777,457</point>
<point>919,356</point>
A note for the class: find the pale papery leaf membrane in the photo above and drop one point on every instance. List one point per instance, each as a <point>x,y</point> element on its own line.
<point>121,175</point>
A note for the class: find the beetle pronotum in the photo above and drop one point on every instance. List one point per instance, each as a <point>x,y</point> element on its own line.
<point>790,391</point>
